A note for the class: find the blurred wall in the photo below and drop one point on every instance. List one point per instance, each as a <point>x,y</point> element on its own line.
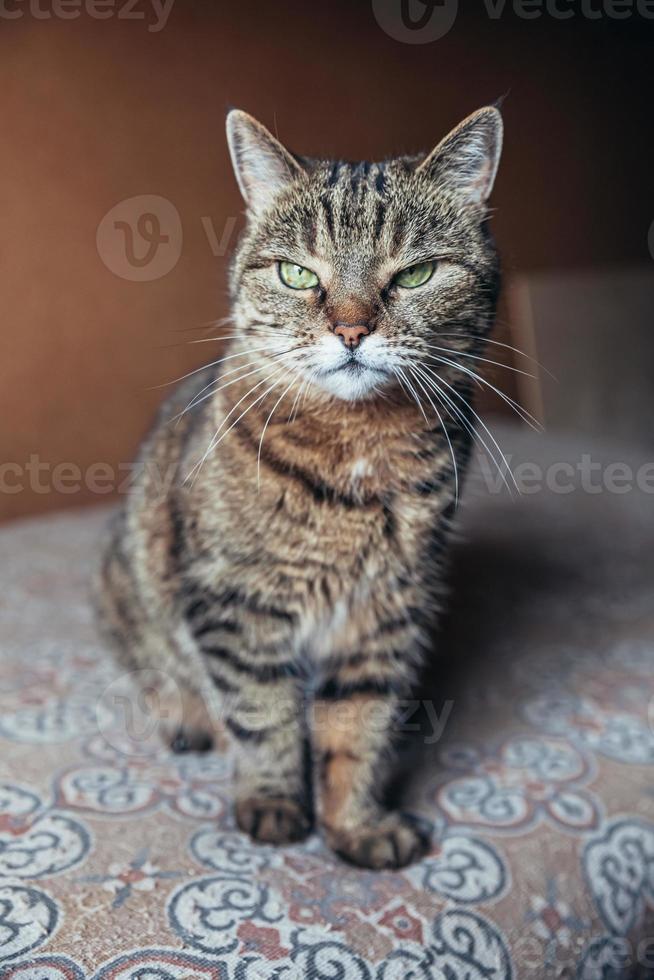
<point>99,111</point>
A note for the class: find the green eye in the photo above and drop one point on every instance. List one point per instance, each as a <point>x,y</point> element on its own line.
<point>296,276</point>
<point>415,275</point>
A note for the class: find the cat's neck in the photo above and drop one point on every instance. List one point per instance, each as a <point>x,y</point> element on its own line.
<point>383,442</point>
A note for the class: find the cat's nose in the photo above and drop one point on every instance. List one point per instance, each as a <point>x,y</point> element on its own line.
<point>351,333</point>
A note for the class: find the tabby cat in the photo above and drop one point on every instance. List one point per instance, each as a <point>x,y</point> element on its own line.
<point>282,557</point>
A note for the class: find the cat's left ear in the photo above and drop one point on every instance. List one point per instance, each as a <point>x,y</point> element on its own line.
<point>263,167</point>
<point>468,158</point>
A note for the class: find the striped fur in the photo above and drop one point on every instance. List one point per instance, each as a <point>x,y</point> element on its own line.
<point>287,574</point>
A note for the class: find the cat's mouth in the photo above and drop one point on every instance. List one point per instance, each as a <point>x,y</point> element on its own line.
<point>354,367</point>
<point>352,374</point>
<point>347,367</point>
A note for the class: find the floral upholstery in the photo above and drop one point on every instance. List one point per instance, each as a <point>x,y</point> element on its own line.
<point>119,860</point>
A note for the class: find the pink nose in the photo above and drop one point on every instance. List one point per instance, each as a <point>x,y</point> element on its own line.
<point>351,333</point>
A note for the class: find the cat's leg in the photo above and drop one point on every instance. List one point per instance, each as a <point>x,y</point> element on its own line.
<point>273,782</point>
<point>246,649</point>
<point>168,673</point>
<point>353,730</point>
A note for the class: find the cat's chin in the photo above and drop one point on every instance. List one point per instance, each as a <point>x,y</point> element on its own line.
<point>352,385</point>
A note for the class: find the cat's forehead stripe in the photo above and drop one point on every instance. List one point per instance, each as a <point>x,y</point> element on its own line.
<point>352,200</point>
<point>357,175</point>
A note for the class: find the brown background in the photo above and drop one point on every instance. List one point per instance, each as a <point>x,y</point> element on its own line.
<point>96,111</point>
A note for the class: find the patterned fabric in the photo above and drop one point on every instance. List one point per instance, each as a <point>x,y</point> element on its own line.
<point>119,860</point>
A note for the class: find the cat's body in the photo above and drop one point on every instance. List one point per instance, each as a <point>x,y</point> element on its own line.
<point>293,565</point>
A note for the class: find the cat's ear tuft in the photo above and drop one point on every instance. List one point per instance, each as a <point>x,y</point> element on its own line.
<point>468,158</point>
<point>263,167</point>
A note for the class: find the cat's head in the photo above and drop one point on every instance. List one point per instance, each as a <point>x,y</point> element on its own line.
<point>351,275</point>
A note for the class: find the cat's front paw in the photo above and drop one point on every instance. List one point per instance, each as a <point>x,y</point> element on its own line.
<point>393,842</point>
<point>272,820</point>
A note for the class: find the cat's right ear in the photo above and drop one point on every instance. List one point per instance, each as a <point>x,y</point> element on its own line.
<point>263,167</point>
<point>468,158</point>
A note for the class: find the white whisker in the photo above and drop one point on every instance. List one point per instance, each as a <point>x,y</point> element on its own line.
<point>214,441</point>
<point>263,431</point>
<point>415,371</point>
<point>293,413</point>
<point>517,408</point>
<point>400,374</point>
<point>499,343</point>
<point>220,360</point>
<point>252,332</point>
<point>205,326</point>
<point>477,357</point>
<point>481,422</point>
<point>197,400</point>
